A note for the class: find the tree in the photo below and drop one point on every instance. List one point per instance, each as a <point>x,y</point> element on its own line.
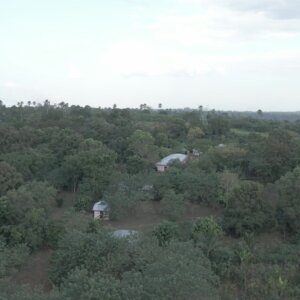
<point>93,161</point>
<point>270,158</point>
<point>207,232</point>
<point>165,232</point>
<point>141,151</point>
<point>193,137</point>
<point>195,133</point>
<point>198,186</point>
<point>229,181</point>
<point>259,113</point>
<point>179,271</point>
<point>81,285</point>
<point>11,257</point>
<point>172,205</point>
<point>141,143</point>
<point>31,163</point>
<point>288,207</point>
<point>247,210</point>
<point>279,154</point>
<point>24,215</point>
<point>228,157</point>
<point>9,178</point>
<point>94,250</point>
<point>217,123</point>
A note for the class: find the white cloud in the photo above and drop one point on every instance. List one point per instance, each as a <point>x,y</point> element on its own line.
<point>282,9</point>
<point>11,85</point>
<point>132,59</point>
<point>73,71</point>
<point>218,26</point>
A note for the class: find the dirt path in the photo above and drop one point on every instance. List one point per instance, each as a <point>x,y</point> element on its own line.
<point>34,273</point>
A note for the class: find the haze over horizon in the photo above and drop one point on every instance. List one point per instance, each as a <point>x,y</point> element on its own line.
<point>222,54</point>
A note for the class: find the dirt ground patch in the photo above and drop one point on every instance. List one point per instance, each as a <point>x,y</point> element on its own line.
<point>68,202</point>
<point>147,216</point>
<point>34,273</point>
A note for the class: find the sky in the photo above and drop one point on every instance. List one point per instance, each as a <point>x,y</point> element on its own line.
<point>221,54</point>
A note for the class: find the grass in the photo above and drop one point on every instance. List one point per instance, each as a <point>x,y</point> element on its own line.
<point>242,132</point>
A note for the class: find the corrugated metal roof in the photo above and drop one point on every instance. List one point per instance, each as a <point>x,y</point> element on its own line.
<point>101,206</point>
<point>123,233</point>
<point>168,159</point>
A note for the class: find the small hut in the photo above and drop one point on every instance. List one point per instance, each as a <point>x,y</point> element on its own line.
<point>162,165</point>
<point>101,210</point>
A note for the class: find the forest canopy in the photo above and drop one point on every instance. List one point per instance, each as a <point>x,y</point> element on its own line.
<point>224,224</point>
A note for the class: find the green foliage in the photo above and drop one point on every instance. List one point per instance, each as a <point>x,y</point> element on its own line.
<point>43,194</point>
<point>199,186</point>
<point>136,164</point>
<point>165,232</point>
<point>80,285</point>
<point>141,143</point>
<point>95,250</point>
<point>228,181</point>
<point>93,161</point>
<point>8,291</point>
<point>207,233</point>
<point>9,178</point>
<point>172,205</point>
<point>90,150</point>
<point>52,233</point>
<point>31,163</point>
<point>284,253</point>
<point>247,210</point>
<point>288,208</point>
<point>179,271</point>
<point>83,202</point>
<point>193,137</point>
<point>11,257</point>
<point>270,282</point>
<point>227,157</point>
<point>23,214</point>
<point>217,124</point>
<point>123,203</point>
<point>141,151</point>
<point>269,159</point>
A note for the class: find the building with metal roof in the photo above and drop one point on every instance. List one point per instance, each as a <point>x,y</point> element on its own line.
<point>163,164</point>
<point>101,210</point>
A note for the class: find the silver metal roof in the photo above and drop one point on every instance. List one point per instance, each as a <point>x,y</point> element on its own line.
<point>101,206</point>
<point>168,159</point>
<point>124,233</point>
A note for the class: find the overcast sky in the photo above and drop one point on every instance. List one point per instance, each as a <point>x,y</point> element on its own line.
<point>222,54</point>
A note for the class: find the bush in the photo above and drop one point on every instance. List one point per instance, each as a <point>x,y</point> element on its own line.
<point>165,232</point>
